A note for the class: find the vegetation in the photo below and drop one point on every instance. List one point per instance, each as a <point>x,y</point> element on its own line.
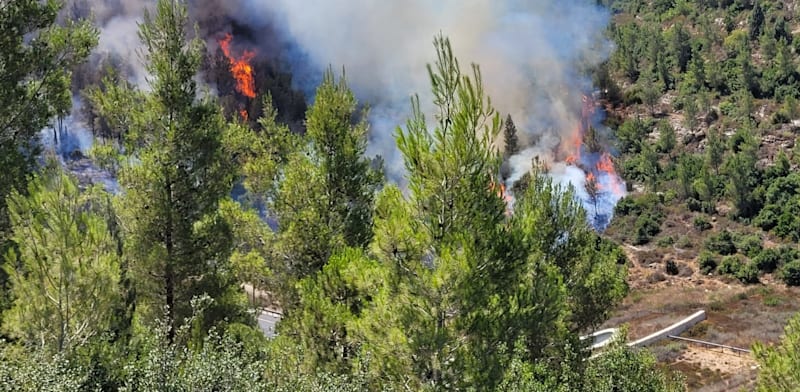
<point>436,286</point>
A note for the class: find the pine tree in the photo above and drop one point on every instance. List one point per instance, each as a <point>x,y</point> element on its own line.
<point>65,269</point>
<point>174,174</point>
<point>778,365</point>
<point>36,58</point>
<point>510,138</point>
<point>456,256</point>
<point>756,21</point>
<point>325,199</point>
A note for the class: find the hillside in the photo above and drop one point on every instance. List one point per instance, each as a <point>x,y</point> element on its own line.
<point>703,96</point>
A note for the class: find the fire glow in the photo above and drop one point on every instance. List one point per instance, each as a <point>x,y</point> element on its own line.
<point>582,159</point>
<point>240,68</point>
<point>502,192</point>
<point>601,179</point>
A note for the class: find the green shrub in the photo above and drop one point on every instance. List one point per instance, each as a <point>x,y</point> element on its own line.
<point>665,241</point>
<point>750,245</point>
<point>707,262</point>
<point>626,206</point>
<point>671,268</point>
<point>747,273</point>
<point>730,265</point>
<point>701,223</point>
<point>646,227</point>
<point>696,205</point>
<point>721,243</point>
<point>772,301</point>
<point>790,273</point>
<point>788,254</point>
<point>769,259</point>
<point>727,108</point>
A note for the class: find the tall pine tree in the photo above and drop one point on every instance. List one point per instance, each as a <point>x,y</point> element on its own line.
<point>65,269</point>
<point>174,174</point>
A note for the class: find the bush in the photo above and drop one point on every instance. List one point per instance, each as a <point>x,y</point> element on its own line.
<point>626,206</point>
<point>646,227</point>
<point>665,241</point>
<point>750,245</point>
<point>748,273</point>
<point>707,262</point>
<point>721,243</point>
<point>730,265</point>
<point>768,260</point>
<point>684,242</point>
<point>788,254</point>
<point>671,268</point>
<point>790,273</point>
<point>701,223</point>
<point>695,205</point>
<point>772,301</point>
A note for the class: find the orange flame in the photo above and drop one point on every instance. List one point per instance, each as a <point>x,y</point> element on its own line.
<point>240,68</point>
<point>243,113</point>
<point>500,189</point>
<point>607,166</point>
<point>590,178</point>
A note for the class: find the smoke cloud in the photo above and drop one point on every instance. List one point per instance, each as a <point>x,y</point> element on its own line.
<point>533,56</point>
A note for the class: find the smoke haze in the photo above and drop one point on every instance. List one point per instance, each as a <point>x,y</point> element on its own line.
<point>531,55</point>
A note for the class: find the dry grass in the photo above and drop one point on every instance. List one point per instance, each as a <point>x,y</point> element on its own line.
<point>738,315</point>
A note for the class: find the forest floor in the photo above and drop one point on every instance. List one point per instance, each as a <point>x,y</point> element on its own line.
<point>737,315</point>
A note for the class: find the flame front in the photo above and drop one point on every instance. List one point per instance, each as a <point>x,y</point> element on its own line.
<point>500,189</point>
<point>240,68</point>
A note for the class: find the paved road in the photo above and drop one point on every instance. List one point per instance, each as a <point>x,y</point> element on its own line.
<point>267,320</point>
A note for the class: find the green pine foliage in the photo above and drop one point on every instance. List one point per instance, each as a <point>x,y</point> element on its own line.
<point>437,286</point>
<point>174,174</point>
<point>64,271</point>
<point>779,364</point>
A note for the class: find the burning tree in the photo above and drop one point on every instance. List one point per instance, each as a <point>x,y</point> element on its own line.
<point>593,190</point>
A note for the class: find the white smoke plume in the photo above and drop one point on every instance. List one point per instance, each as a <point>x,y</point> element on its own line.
<point>532,55</point>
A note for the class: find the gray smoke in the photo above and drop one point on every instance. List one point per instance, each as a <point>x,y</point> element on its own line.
<point>531,54</point>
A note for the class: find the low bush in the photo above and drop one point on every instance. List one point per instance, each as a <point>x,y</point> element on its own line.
<point>646,227</point>
<point>768,260</point>
<point>656,277</point>
<point>721,243</point>
<point>707,262</point>
<point>790,273</point>
<point>750,245</point>
<point>747,273</point>
<point>671,268</point>
<point>665,241</point>
<point>684,242</point>
<point>701,223</point>
<point>730,265</point>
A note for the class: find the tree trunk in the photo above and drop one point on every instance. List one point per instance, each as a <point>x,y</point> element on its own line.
<point>169,271</point>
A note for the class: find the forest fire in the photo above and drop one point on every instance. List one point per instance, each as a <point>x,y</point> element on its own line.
<point>503,193</point>
<point>241,69</point>
<point>585,150</point>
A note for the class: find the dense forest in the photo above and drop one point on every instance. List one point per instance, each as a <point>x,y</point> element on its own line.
<point>220,204</point>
